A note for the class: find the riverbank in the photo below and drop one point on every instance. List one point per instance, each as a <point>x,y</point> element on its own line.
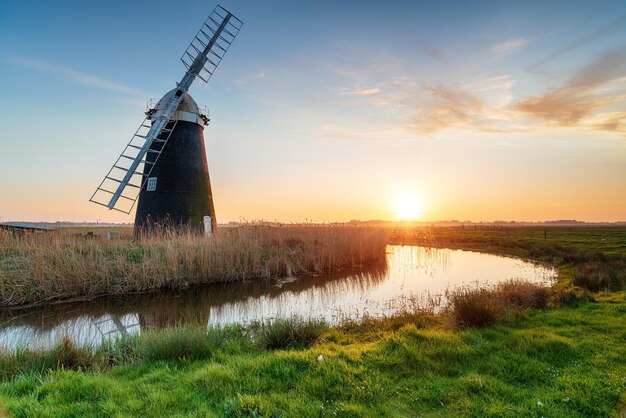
<point>560,362</point>
<point>562,357</point>
<point>58,266</point>
<point>587,258</point>
<point>70,264</point>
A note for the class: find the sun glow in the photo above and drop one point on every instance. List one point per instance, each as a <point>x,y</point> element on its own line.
<point>408,207</point>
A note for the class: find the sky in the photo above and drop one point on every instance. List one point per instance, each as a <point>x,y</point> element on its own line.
<point>328,110</point>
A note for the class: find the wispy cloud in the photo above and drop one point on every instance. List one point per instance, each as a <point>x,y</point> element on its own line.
<point>508,47</point>
<point>477,106</point>
<point>496,91</point>
<point>386,133</point>
<point>250,77</point>
<point>338,132</point>
<point>359,64</point>
<point>581,41</point>
<point>76,75</point>
<point>385,99</point>
<point>367,91</point>
<point>593,98</point>
<point>591,90</point>
<point>610,121</point>
<point>445,107</point>
<point>407,107</point>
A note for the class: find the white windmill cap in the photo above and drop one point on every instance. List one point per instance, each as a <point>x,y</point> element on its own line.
<point>188,104</point>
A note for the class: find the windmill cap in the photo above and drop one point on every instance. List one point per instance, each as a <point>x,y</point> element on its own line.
<point>188,104</point>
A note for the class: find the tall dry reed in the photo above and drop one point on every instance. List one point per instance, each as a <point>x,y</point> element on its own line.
<point>46,267</point>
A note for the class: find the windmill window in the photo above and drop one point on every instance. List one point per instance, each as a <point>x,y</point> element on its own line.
<point>151,184</point>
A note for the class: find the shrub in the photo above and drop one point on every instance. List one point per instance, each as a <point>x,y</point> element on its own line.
<point>573,295</point>
<point>519,294</point>
<point>189,342</point>
<point>608,273</point>
<point>474,307</point>
<point>68,356</point>
<point>64,355</point>
<point>591,276</point>
<point>288,333</point>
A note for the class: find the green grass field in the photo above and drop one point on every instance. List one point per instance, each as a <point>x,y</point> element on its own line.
<point>565,361</point>
<point>608,240</point>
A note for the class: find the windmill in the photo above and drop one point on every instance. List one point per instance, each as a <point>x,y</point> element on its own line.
<point>164,165</point>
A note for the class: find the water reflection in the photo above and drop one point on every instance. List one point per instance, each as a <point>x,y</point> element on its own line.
<point>410,272</point>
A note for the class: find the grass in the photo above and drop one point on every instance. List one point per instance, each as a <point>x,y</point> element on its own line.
<point>46,267</point>
<point>475,307</point>
<point>536,352</point>
<point>565,362</point>
<point>283,333</point>
<point>467,307</point>
<point>64,356</point>
<point>179,343</point>
<point>521,295</point>
<point>482,306</point>
<point>545,241</point>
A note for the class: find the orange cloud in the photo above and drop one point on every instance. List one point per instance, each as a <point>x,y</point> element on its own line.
<point>594,97</point>
<point>613,122</point>
<point>479,106</point>
<point>446,107</point>
<point>585,95</point>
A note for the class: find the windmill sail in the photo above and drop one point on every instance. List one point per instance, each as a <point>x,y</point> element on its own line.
<point>120,188</point>
<point>217,34</point>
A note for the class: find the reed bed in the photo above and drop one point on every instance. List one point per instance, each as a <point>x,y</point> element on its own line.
<point>47,267</point>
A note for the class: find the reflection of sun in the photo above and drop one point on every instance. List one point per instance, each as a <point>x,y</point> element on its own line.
<point>408,207</point>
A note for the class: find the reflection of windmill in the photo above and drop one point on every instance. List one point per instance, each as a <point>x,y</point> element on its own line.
<point>111,325</point>
<point>164,165</point>
<point>90,322</point>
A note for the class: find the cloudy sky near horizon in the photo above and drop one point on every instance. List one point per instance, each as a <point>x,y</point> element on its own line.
<point>329,110</point>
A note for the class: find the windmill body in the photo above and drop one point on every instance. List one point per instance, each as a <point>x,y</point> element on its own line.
<point>178,188</point>
<point>164,165</point>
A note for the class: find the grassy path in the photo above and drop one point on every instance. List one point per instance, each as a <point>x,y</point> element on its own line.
<point>563,362</point>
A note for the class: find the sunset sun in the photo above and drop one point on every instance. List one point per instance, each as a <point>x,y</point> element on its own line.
<point>408,207</point>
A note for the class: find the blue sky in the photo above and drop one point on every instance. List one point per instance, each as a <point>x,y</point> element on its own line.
<point>329,110</point>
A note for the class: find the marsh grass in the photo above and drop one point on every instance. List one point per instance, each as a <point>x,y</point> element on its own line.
<point>463,308</point>
<point>65,355</point>
<point>186,342</point>
<point>174,343</point>
<point>283,333</point>
<point>482,306</point>
<point>600,272</point>
<point>520,294</point>
<point>47,267</point>
<point>474,307</point>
